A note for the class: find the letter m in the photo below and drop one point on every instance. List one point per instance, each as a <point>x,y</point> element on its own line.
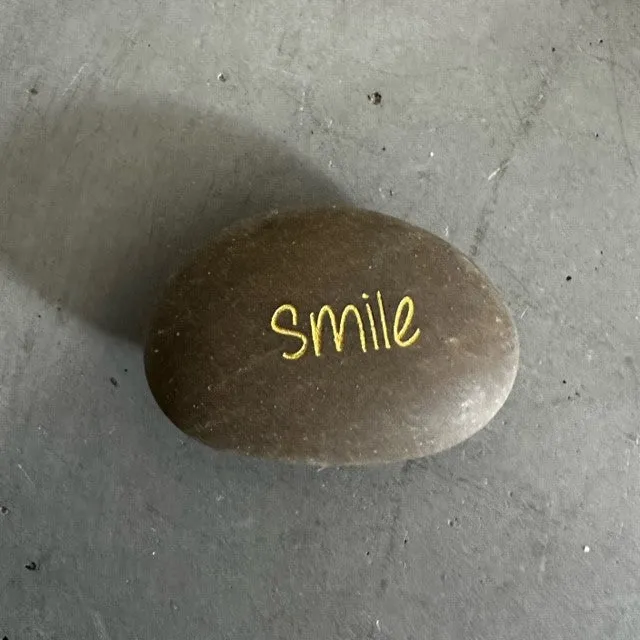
<point>338,331</point>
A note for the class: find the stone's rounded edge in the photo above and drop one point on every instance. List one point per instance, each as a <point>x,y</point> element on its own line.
<point>149,378</point>
<point>356,462</point>
<point>253,226</point>
<point>515,354</point>
<point>317,462</point>
<point>499,403</point>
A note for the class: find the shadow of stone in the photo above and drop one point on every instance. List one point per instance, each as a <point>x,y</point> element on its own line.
<point>101,202</point>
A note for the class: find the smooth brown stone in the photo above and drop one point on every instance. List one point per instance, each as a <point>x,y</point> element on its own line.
<point>225,365</point>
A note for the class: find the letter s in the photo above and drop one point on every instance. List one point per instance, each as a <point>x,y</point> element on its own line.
<point>289,332</point>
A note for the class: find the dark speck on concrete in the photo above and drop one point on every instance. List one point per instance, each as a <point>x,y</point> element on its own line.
<point>33,91</point>
<point>31,566</point>
<point>375,97</point>
<point>568,278</point>
<point>384,148</point>
<point>4,510</point>
<point>564,382</point>
<point>113,381</point>
<point>126,370</point>
<point>553,48</point>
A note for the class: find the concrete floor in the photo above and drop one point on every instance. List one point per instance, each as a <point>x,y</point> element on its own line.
<point>510,127</point>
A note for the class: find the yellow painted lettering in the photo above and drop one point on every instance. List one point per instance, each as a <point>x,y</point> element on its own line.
<point>338,332</point>
<point>372,323</point>
<point>402,329</point>
<point>383,319</point>
<point>289,332</point>
<point>400,332</point>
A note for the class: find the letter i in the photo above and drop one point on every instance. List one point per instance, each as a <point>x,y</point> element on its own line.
<point>383,320</point>
<point>372,324</point>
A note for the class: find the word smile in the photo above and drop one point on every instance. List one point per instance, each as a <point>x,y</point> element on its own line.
<point>370,333</point>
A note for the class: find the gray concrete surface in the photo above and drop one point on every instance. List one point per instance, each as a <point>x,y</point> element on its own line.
<point>511,127</point>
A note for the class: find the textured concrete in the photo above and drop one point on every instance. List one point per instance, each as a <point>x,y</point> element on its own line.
<point>510,127</point>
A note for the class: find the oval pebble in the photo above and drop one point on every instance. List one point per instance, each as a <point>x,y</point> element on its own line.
<point>338,336</point>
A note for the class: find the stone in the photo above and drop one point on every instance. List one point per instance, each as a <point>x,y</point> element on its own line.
<point>337,336</point>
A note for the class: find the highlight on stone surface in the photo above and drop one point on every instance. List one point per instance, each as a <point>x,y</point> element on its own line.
<point>336,336</point>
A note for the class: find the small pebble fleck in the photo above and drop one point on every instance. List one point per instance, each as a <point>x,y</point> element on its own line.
<point>31,566</point>
<point>222,77</point>
<point>113,381</point>
<point>568,278</point>
<point>33,91</point>
<point>375,97</point>
<point>4,510</point>
<point>586,548</point>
